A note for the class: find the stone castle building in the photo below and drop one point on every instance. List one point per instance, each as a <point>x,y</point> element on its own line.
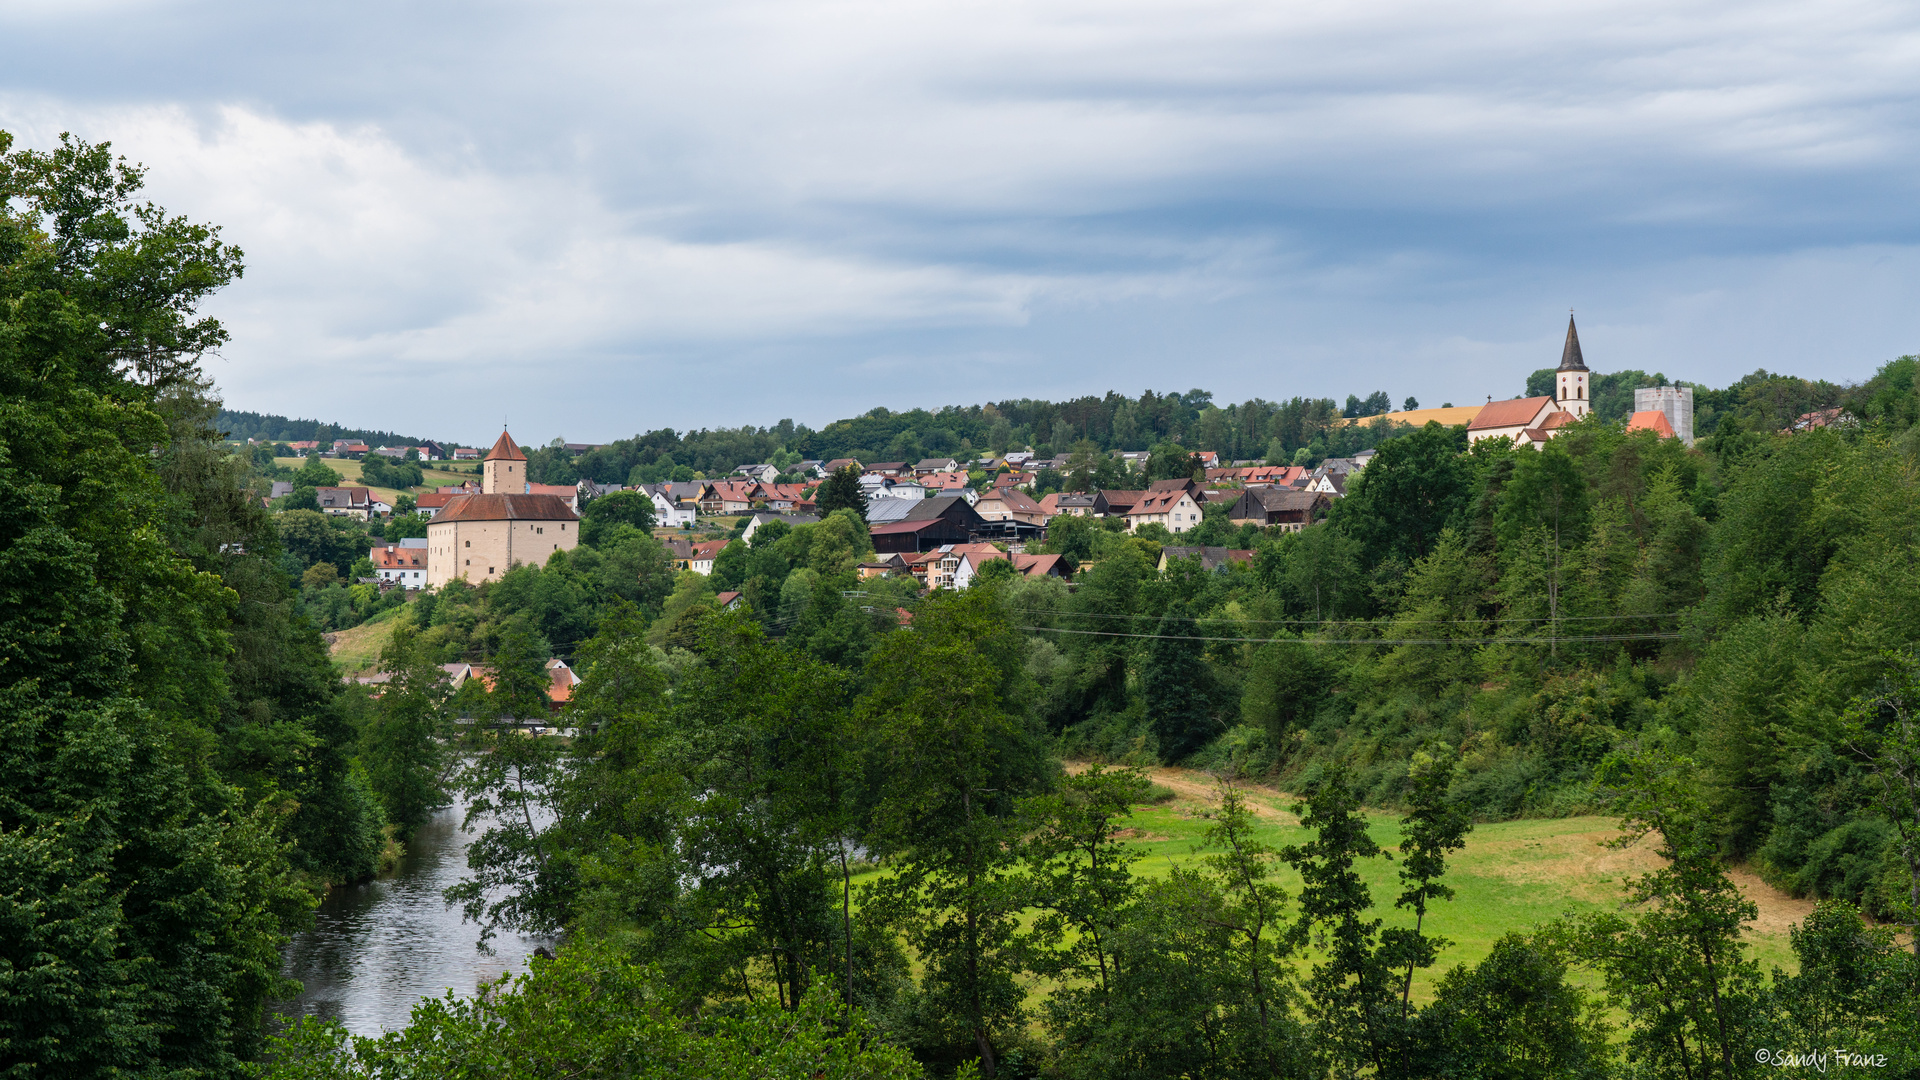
<point>480,537</point>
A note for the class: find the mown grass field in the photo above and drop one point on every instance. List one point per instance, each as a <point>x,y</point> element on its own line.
<point>1511,877</point>
<point>349,471</point>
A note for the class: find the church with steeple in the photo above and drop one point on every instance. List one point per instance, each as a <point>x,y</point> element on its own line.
<point>1532,421</point>
<point>480,537</point>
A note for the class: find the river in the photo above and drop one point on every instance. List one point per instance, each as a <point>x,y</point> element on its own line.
<point>378,947</point>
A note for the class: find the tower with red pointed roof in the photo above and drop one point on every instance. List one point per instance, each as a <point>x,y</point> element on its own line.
<point>504,470</point>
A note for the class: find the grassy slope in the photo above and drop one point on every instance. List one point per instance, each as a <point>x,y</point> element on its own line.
<point>356,648</point>
<point>349,471</point>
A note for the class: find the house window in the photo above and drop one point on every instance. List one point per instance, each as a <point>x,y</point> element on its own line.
<point>469,543</point>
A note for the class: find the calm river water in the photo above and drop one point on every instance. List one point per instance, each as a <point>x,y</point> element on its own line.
<point>379,947</point>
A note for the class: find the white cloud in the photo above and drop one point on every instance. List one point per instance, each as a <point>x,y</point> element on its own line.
<point>817,205</point>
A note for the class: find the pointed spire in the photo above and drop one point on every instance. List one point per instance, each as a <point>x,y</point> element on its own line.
<point>504,450</point>
<point>1570,359</point>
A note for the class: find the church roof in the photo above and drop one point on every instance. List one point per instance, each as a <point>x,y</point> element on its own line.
<point>1557,419</point>
<point>1514,412</point>
<point>504,450</point>
<point>506,508</point>
<point>1570,359</point>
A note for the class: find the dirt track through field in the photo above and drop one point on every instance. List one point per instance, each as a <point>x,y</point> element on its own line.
<point>1570,854</point>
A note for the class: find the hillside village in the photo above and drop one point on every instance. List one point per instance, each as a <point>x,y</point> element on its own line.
<point>938,520</point>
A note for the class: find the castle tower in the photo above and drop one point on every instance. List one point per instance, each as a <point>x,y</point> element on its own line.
<point>1570,383</point>
<point>504,470</point>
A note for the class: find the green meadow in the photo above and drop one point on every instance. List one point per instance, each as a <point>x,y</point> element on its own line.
<point>1511,877</point>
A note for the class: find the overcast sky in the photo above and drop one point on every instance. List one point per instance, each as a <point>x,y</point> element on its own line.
<point>598,218</point>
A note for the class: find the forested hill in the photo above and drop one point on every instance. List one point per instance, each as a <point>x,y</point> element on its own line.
<point>270,427</point>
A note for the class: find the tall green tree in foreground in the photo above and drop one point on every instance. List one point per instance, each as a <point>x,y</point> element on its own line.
<point>143,895</point>
<point>955,750</point>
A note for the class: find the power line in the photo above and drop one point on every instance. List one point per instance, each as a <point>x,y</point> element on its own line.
<point>1661,636</point>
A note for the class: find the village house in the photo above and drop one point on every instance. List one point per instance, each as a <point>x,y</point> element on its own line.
<point>1010,504</point>
<point>1172,503</point>
<point>668,511</point>
<point>927,466</point>
<point>700,559</point>
<point>764,473</point>
<point>479,537</point>
<point>353,502</point>
<point>403,563</point>
<point>465,453</point>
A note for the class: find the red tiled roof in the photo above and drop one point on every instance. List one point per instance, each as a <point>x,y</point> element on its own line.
<point>1652,420</point>
<point>506,508</point>
<point>1039,565</point>
<point>1510,413</point>
<point>563,491</point>
<point>395,557</point>
<point>504,450</point>
<point>708,549</point>
<point>1556,420</point>
<point>436,499</point>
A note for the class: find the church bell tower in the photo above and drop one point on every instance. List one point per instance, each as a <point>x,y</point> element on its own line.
<point>1571,384</point>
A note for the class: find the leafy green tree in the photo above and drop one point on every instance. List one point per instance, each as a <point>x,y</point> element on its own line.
<point>144,896</point>
<point>314,473</point>
<point>1433,826</point>
<point>1350,994</point>
<point>1171,461</point>
<point>1679,970</point>
<point>632,508</point>
<point>1884,732</point>
<point>313,537</point>
<point>954,756</point>
<point>400,746</point>
<point>1417,485</point>
<point>1082,883</point>
<point>1174,684</point>
<point>512,782</point>
<point>1514,1015</point>
<point>1854,989</point>
<point>593,1012</point>
<point>769,754</point>
<point>841,491</point>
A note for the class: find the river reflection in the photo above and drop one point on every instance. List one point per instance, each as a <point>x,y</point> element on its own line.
<point>377,948</point>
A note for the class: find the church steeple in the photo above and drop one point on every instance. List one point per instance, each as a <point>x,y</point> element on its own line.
<point>1570,381</point>
<point>1570,359</point>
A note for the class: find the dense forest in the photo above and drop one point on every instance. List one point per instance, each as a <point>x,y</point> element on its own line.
<point>240,425</point>
<point>828,831</point>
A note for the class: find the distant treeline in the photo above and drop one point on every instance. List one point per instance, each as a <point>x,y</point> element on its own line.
<point>270,427</point>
